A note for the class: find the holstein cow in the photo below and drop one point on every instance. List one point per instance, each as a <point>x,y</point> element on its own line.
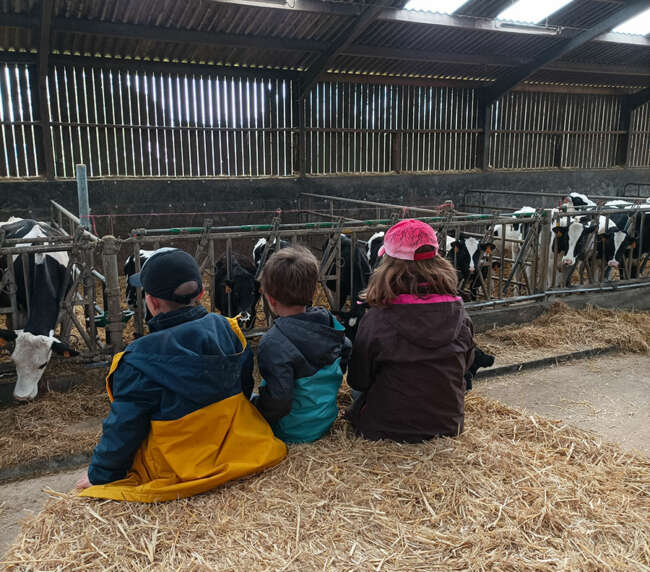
<point>578,200</point>
<point>615,242</point>
<point>465,253</point>
<point>258,250</point>
<point>375,242</point>
<point>361,271</point>
<point>578,242</point>
<point>48,282</point>
<point>243,287</point>
<point>515,231</point>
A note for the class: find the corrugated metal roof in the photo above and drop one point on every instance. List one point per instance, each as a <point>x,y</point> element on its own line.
<point>208,16</point>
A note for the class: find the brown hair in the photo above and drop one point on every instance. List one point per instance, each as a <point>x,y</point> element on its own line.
<point>416,277</point>
<point>290,276</point>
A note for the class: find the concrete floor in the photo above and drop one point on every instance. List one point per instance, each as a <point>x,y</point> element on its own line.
<point>609,395</point>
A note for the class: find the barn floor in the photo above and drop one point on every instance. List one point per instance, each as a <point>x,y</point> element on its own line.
<point>608,395</point>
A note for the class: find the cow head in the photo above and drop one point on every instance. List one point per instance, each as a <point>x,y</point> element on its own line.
<point>614,245</point>
<point>31,356</point>
<point>577,232</point>
<point>243,288</point>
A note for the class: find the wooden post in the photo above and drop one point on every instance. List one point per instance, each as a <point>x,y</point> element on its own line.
<point>43,56</point>
<point>624,121</point>
<point>109,260</point>
<point>483,148</point>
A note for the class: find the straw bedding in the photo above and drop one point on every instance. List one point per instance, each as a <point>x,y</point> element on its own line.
<point>565,329</point>
<point>512,492</point>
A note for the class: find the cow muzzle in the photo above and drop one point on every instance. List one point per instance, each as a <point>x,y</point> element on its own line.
<point>613,264</point>
<point>568,261</point>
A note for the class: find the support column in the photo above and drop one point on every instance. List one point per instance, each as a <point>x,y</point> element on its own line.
<point>483,149</point>
<point>111,248</point>
<point>623,140</point>
<point>43,59</point>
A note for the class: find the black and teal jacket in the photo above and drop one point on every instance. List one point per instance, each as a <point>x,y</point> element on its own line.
<point>180,421</point>
<point>302,359</point>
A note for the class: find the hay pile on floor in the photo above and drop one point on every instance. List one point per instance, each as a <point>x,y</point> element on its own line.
<point>45,428</point>
<point>513,492</point>
<point>566,329</point>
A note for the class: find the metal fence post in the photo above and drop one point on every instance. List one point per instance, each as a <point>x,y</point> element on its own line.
<point>82,195</point>
<point>545,252</point>
<point>111,247</point>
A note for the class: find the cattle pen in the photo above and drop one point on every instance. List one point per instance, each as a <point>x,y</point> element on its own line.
<point>516,131</point>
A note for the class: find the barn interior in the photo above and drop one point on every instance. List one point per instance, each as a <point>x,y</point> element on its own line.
<point>208,124</point>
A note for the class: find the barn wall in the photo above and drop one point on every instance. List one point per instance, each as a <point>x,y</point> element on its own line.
<point>122,197</point>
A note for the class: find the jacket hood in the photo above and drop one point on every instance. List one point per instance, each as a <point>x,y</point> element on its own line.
<point>193,358</point>
<point>414,322</point>
<point>315,334</point>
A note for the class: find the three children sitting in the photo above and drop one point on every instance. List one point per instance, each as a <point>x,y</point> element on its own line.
<point>181,421</point>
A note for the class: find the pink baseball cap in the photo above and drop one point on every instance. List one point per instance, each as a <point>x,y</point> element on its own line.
<point>403,239</point>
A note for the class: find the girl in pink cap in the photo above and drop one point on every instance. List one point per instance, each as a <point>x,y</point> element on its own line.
<point>414,344</point>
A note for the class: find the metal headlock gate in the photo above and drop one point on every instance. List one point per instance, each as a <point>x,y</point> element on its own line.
<point>510,271</point>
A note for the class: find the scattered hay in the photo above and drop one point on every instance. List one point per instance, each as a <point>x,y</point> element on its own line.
<point>566,329</point>
<point>45,428</point>
<point>513,492</point>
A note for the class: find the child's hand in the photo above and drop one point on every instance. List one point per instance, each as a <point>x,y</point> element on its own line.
<point>83,482</point>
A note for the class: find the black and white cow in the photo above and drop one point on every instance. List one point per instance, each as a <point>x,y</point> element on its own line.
<point>243,287</point>
<point>355,272</point>
<point>375,242</point>
<point>465,253</point>
<point>258,250</point>
<point>40,299</point>
<point>577,239</point>
<point>578,200</point>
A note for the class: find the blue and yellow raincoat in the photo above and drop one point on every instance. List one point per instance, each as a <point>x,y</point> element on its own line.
<point>302,359</point>
<point>180,420</point>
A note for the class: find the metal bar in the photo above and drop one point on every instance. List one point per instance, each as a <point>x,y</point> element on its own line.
<point>109,260</point>
<point>82,197</point>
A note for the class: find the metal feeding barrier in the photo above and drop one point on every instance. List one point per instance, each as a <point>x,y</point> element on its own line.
<point>512,268</point>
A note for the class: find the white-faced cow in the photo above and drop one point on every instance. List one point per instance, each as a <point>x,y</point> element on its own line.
<point>577,239</point>
<point>39,298</point>
<point>465,253</point>
<point>375,242</point>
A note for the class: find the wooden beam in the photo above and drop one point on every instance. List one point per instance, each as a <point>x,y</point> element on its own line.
<point>350,33</point>
<point>313,6</point>
<point>175,35</point>
<point>151,66</point>
<point>639,98</point>
<point>628,104</point>
<point>430,56</point>
<point>510,79</point>
<point>44,112</point>
<point>389,15</point>
<point>498,26</point>
<point>483,147</point>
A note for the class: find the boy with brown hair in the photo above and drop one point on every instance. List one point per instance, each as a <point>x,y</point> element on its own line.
<point>303,356</point>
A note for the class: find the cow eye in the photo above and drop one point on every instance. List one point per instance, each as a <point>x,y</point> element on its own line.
<point>42,366</point>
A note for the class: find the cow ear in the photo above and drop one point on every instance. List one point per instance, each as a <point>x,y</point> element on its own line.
<point>451,232</point>
<point>63,349</point>
<point>7,336</point>
<point>557,230</point>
